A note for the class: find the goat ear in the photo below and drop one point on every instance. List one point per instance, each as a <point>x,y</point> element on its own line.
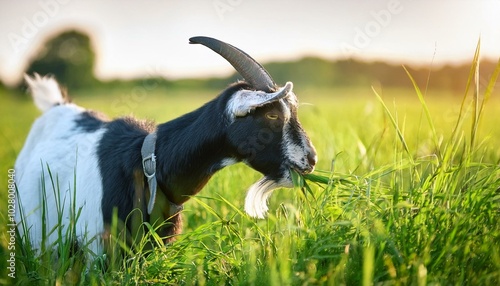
<point>245,101</point>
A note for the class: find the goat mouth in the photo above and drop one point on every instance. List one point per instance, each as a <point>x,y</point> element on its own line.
<point>305,171</point>
<point>302,171</point>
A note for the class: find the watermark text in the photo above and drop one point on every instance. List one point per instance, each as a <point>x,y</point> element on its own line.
<point>31,25</point>
<point>364,35</point>
<point>11,223</point>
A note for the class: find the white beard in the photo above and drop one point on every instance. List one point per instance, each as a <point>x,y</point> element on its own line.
<point>257,195</point>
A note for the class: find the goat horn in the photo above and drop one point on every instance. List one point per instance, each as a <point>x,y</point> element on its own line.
<point>253,72</point>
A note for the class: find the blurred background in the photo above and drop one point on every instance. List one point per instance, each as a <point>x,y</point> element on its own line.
<point>332,43</point>
<point>133,57</point>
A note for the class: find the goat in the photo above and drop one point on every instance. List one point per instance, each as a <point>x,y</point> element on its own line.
<point>253,121</point>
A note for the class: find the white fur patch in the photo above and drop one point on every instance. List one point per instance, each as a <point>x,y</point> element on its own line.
<point>296,154</point>
<point>244,101</point>
<point>45,91</point>
<point>55,140</point>
<point>228,162</point>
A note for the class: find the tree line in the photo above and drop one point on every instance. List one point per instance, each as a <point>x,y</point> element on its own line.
<point>70,57</point>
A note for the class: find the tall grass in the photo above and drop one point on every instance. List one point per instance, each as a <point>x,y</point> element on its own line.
<point>400,214</point>
<point>60,261</point>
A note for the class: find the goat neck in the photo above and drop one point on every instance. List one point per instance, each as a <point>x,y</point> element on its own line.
<point>191,148</point>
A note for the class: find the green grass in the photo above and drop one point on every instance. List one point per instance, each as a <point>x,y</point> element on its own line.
<point>407,191</point>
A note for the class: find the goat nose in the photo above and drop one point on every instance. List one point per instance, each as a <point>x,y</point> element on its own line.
<point>312,158</point>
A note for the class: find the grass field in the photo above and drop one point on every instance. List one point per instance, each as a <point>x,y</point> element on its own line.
<point>410,195</point>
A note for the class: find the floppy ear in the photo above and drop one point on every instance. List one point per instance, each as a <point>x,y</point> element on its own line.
<point>245,101</point>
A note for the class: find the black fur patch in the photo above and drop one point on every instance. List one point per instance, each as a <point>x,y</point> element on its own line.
<point>119,154</point>
<point>90,121</point>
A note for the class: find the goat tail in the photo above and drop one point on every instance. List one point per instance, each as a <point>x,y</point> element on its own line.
<point>45,91</point>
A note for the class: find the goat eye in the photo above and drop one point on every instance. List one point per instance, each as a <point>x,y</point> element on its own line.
<point>272,116</point>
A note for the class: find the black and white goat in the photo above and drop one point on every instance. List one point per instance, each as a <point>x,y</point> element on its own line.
<point>253,121</point>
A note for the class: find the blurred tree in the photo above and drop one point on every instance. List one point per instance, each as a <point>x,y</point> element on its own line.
<point>68,56</point>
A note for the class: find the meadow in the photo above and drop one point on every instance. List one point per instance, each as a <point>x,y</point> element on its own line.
<point>406,192</point>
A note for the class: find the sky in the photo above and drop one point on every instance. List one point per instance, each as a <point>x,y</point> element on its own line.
<point>150,38</point>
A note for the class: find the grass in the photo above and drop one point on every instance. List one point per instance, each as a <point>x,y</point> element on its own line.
<point>407,191</point>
